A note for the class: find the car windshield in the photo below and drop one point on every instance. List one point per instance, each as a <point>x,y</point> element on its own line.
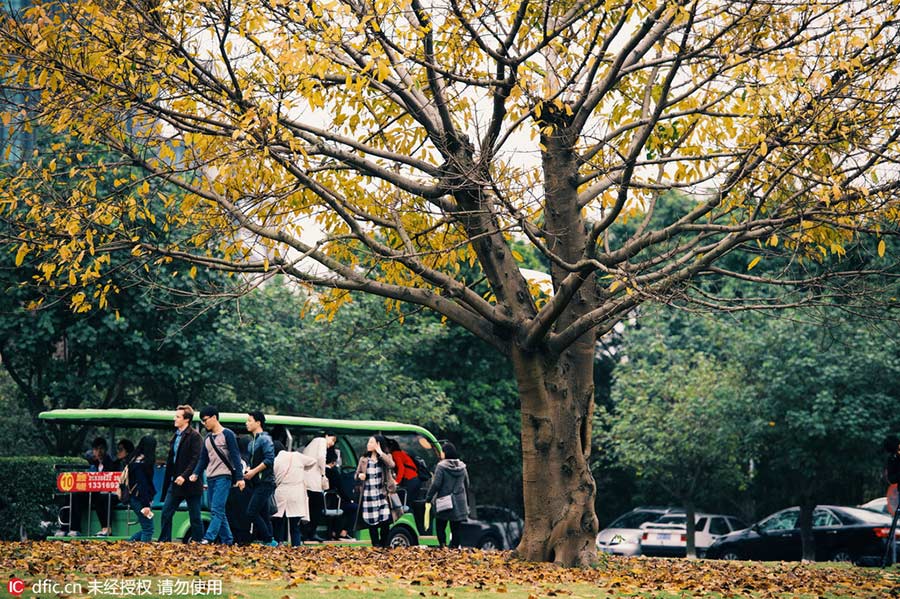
<point>635,519</point>
<point>784,520</point>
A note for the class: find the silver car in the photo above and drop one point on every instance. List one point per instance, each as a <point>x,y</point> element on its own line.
<point>623,536</point>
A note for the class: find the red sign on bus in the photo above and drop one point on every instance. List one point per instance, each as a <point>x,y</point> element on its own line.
<point>88,482</point>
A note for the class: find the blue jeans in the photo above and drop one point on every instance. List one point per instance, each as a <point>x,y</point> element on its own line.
<point>218,488</point>
<point>168,511</point>
<point>258,511</point>
<point>146,531</point>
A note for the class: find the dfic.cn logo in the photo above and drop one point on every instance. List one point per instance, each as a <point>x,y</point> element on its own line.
<point>15,586</point>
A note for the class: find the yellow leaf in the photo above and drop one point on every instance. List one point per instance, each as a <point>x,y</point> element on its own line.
<point>193,272</point>
<point>881,248</point>
<point>753,263</point>
<point>20,255</point>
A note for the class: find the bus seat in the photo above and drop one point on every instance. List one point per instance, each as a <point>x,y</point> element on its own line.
<point>332,507</point>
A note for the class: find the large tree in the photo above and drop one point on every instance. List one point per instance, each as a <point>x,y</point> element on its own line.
<point>391,143</point>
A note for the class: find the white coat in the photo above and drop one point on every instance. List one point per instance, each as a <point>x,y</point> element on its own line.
<point>290,470</point>
<point>316,450</point>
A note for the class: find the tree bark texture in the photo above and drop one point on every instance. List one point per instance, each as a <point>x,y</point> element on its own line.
<point>805,524</point>
<point>690,548</point>
<point>559,490</point>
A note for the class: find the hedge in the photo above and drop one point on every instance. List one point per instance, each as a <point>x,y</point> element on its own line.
<point>27,485</point>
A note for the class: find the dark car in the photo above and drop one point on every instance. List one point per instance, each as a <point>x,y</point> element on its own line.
<point>481,535</point>
<point>506,521</point>
<point>844,534</point>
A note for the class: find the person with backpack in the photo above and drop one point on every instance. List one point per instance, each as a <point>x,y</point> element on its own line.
<point>184,453</point>
<point>221,460</point>
<point>139,480</point>
<point>448,496</point>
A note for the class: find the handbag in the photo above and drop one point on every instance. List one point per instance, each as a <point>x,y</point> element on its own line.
<point>123,492</point>
<point>443,504</point>
<point>125,488</point>
<point>324,483</point>
<point>396,506</point>
<point>273,505</point>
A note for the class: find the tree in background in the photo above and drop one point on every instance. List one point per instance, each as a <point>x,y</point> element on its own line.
<point>829,395</point>
<point>682,419</point>
<point>400,132</point>
<point>817,397</point>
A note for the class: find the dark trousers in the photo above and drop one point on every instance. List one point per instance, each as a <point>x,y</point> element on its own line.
<point>258,510</point>
<point>316,505</point>
<point>413,487</point>
<point>344,522</point>
<point>168,511</point>
<point>441,530</point>
<point>100,504</point>
<point>379,534</point>
<point>280,527</point>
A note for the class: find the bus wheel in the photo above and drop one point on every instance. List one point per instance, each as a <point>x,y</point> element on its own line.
<point>400,536</point>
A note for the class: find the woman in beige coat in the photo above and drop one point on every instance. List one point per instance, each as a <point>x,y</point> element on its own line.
<point>291,502</point>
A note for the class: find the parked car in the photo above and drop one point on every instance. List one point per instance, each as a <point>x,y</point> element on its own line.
<point>481,535</point>
<point>667,536</point>
<point>507,521</point>
<point>623,536</point>
<point>845,534</point>
<point>877,505</point>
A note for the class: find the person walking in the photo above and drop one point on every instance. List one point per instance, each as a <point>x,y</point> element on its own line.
<point>221,460</point>
<point>375,472</point>
<point>184,454</point>
<point>448,495</point>
<point>291,499</point>
<point>140,483</point>
<point>260,478</point>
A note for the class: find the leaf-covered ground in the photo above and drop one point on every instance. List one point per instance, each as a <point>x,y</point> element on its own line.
<point>355,571</point>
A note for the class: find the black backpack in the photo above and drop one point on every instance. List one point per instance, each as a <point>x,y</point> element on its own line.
<point>422,468</point>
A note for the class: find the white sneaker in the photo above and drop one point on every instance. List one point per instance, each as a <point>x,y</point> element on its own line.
<point>73,533</point>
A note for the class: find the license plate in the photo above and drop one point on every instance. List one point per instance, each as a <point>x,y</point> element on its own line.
<point>663,536</point>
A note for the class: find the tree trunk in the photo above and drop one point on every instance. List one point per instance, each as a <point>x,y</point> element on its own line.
<point>804,522</point>
<point>690,530</point>
<point>559,490</point>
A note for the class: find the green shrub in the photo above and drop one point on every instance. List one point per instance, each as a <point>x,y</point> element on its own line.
<point>27,485</point>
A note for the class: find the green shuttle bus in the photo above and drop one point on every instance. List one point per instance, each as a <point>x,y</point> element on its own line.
<point>294,431</point>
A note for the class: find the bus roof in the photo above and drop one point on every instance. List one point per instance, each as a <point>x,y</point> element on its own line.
<point>136,418</point>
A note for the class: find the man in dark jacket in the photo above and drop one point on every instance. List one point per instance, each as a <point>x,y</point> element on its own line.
<point>184,453</point>
<point>261,478</point>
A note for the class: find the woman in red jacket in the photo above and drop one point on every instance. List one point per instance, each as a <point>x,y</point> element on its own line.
<point>408,478</point>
